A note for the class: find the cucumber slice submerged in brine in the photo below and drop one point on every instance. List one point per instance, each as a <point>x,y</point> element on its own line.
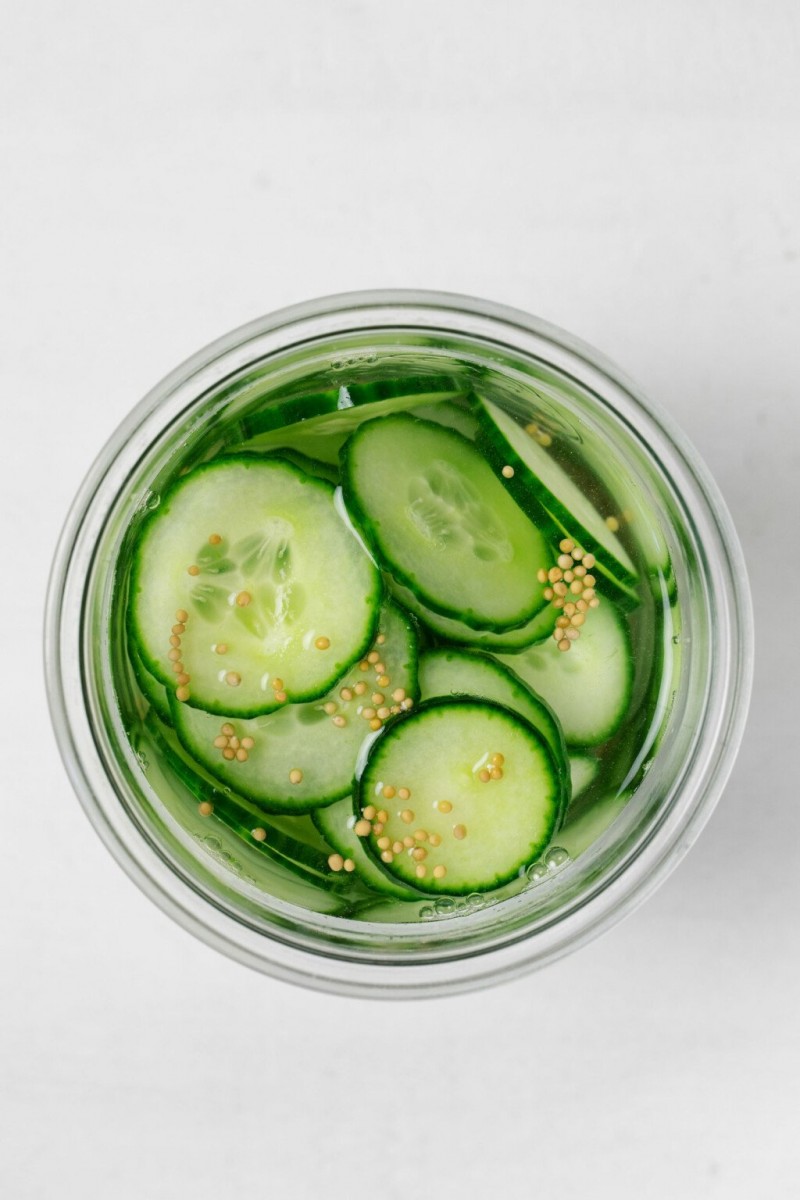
<point>249,590</point>
<point>430,507</point>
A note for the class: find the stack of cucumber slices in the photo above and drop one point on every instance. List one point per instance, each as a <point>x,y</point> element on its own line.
<point>371,645</point>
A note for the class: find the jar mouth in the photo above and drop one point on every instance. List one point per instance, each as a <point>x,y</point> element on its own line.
<point>494,941</point>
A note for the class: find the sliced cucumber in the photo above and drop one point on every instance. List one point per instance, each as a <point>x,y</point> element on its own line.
<point>430,507</point>
<point>511,642</point>
<point>541,486</point>
<point>304,756</point>
<point>310,466</point>
<point>323,434</point>
<point>467,834</point>
<point>154,692</point>
<point>336,824</point>
<point>467,673</point>
<point>295,851</point>
<point>588,686</point>
<point>255,552</point>
<point>583,770</point>
<point>293,403</point>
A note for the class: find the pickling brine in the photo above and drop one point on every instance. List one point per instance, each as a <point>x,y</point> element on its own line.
<point>394,649</point>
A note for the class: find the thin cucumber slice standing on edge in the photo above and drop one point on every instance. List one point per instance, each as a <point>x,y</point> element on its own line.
<point>336,823</point>
<point>155,693</point>
<point>589,685</point>
<point>450,673</point>
<point>331,417</point>
<point>304,756</point>
<point>542,487</point>
<point>249,590</point>
<point>457,797</point>
<point>430,507</point>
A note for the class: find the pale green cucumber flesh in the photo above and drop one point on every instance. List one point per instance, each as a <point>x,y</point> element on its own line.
<point>450,673</point>
<point>541,482</point>
<point>336,824</point>
<point>289,847</point>
<point>286,571</point>
<point>322,435</point>
<point>437,753</point>
<point>450,630</point>
<point>588,686</point>
<point>583,770</point>
<point>430,507</point>
<point>304,756</point>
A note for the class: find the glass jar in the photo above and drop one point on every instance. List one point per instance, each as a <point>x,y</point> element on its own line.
<point>213,885</point>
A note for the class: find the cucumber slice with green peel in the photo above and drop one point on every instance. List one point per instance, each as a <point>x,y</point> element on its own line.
<point>452,673</point>
<point>543,488</point>
<point>291,848</point>
<point>336,823</point>
<point>589,685</point>
<point>292,404</point>
<point>271,595</point>
<point>429,506</point>
<point>323,435</point>
<point>303,829</point>
<point>154,692</point>
<point>309,466</point>
<point>583,770</point>
<point>304,756</point>
<point>428,779</point>
<point>445,628</point>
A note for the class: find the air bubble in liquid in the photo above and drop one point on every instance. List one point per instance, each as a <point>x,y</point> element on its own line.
<point>556,858</point>
<point>445,907</point>
<point>536,872</point>
<point>143,760</point>
<point>474,901</point>
<point>426,913</point>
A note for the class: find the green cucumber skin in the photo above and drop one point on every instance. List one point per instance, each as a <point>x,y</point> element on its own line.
<point>154,692</point>
<point>309,466</point>
<point>242,817</point>
<point>456,633</point>
<point>360,800</point>
<point>582,741</point>
<point>366,526</point>
<point>499,453</point>
<point>282,411</point>
<point>288,806</point>
<point>545,723</point>
<point>378,879</point>
<point>134,636</point>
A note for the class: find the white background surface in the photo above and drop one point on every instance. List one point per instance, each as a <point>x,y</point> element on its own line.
<point>628,171</point>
